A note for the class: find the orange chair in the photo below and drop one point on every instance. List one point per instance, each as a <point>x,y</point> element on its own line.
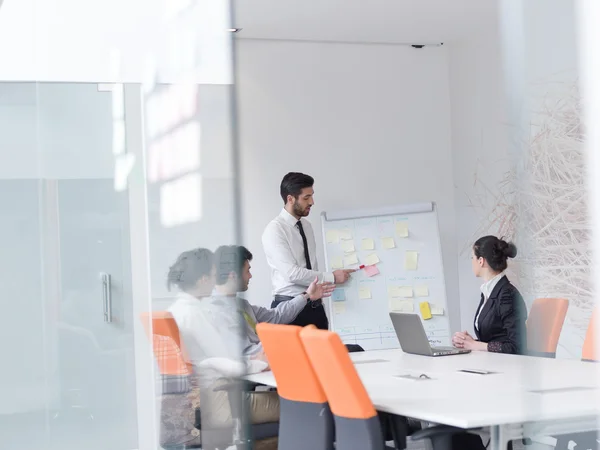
<point>305,420</point>
<point>544,325</point>
<point>357,424</point>
<point>589,352</point>
<point>161,324</point>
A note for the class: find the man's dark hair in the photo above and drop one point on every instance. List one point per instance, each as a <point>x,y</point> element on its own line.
<point>293,183</point>
<point>230,258</point>
<point>189,268</point>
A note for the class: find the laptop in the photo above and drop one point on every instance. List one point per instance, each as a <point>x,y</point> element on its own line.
<point>413,339</point>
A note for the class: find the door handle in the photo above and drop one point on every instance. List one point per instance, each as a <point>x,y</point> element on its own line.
<point>106,297</point>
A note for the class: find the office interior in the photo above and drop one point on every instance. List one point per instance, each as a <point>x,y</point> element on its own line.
<point>133,131</point>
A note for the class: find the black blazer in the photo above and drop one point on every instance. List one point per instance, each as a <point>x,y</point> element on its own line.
<point>502,320</point>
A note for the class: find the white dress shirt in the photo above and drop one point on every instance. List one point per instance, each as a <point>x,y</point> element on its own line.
<point>225,326</point>
<point>284,249</point>
<point>486,290</point>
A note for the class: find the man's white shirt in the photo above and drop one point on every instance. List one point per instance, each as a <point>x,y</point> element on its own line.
<point>284,250</point>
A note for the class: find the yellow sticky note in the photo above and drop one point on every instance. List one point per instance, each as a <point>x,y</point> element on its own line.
<point>350,260</point>
<point>394,291</point>
<point>401,305</point>
<point>337,263</point>
<point>346,234</point>
<point>421,291</point>
<point>372,259</point>
<point>402,229</point>
<point>437,310</point>
<point>364,293</point>
<point>333,236</point>
<point>339,307</point>
<point>405,291</point>
<point>348,246</point>
<point>388,242</point>
<point>368,244</point>
<point>411,260</point>
<point>425,310</point>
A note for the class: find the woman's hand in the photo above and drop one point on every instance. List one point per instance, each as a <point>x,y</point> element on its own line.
<point>463,339</point>
<point>318,290</point>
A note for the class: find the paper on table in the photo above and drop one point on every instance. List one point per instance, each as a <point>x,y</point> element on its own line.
<point>388,243</point>
<point>421,291</point>
<point>411,260</point>
<point>348,246</point>
<point>339,307</point>
<point>337,263</point>
<point>402,229</point>
<point>437,310</point>
<point>371,259</point>
<point>371,271</point>
<point>368,244</point>
<point>364,293</point>
<point>399,305</point>
<point>338,295</point>
<point>350,260</point>
<point>333,236</point>
<point>346,234</point>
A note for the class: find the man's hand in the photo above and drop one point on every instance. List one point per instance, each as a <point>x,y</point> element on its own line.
<point>342,275</point>
<point>318,290</point>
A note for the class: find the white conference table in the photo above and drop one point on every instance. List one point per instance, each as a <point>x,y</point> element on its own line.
<point>505,401</point>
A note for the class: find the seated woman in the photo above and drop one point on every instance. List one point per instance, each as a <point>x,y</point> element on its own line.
<point>501,315</point>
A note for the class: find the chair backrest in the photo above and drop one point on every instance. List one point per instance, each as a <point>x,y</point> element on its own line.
<point>166,342</point>
<point>356,421</point>
<point>305,418</point>
<point>544,325</point>
<point>589,352</point>
<point>296,379</point>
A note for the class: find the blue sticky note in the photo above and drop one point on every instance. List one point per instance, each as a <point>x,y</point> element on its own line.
<point>338,295</point>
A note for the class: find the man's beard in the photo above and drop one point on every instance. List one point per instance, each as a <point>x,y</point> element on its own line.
<point>298,211</point>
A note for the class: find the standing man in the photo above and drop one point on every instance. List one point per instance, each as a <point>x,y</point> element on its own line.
<point>289,244</point>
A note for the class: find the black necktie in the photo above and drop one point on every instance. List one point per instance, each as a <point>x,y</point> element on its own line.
<point>306,255</point>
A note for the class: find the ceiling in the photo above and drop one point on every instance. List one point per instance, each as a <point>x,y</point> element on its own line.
<point>384,21</point>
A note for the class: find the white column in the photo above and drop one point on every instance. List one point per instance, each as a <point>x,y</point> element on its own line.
<point>140,269</point>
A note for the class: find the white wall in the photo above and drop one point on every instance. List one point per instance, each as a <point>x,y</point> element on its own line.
<point>370,123</point>
<point>479,148</point>
<point>525,61</point>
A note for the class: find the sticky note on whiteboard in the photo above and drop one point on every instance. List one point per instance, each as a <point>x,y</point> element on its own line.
<point>388,243</point>
<point>364,293</point>
<point>371,271</point>
<point>371,259</point>
<point>351,260</point>
<point>368,244</point>
<point>411,261</point>
<point>437,310</point>
<point>345,234</point>
<point>402,229</point>
<point>348,246</point>
<point>398,305</point>
<point>339,308</point>
<point>338,295</point>
<point>337,263</point>
<point>421,291</point>
<point>405,291</point>
<point>333,236</point>
<point>425,310</point>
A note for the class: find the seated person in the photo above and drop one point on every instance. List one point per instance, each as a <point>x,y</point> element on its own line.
<point>221,327</point>
<point>501,315</point>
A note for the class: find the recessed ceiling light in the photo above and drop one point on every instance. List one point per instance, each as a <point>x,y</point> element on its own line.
<point>234,30</point>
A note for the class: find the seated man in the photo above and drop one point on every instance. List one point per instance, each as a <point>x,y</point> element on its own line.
<point>221,328</point>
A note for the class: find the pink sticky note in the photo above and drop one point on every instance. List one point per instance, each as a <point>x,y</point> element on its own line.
<point>371,271</point>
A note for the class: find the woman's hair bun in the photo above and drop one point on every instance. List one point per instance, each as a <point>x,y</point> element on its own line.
<point>508,249</point>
